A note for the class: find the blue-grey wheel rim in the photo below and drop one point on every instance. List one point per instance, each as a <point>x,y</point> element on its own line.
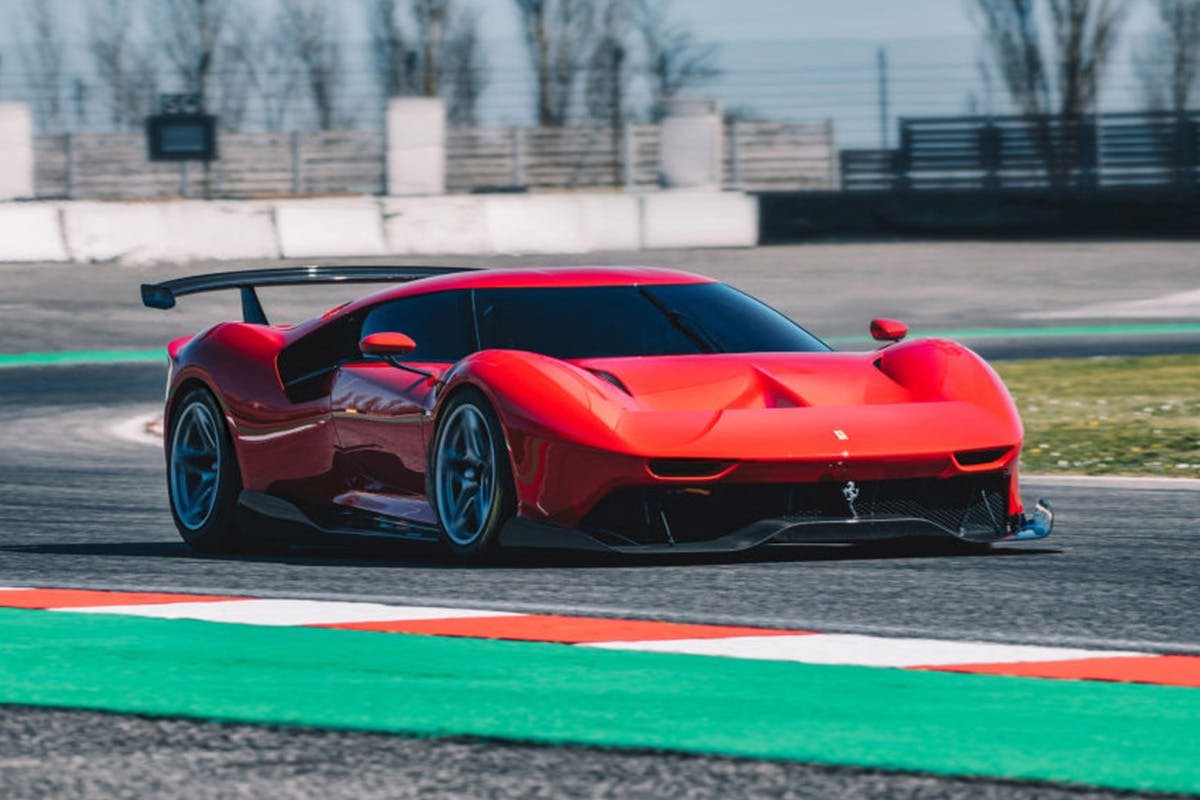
<point>195,467</point>
<point>465,474</point>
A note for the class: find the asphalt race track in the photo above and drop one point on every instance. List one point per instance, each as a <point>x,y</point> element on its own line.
<point>81,507</point>
<point>88,509</point>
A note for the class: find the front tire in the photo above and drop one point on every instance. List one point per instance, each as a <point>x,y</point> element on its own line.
<point>471,482</point>
<point>203,480</point>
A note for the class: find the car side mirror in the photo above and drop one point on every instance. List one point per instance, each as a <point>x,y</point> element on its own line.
<point>392,347</point>
<point>386,344</point>
<point>888,330</point>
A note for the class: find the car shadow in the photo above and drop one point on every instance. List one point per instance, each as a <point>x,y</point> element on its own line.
<point>409,555</point>
<point>776,554</point>
<point>343,556</point>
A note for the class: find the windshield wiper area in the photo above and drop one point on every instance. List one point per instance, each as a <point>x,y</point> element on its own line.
<point>685,324</point>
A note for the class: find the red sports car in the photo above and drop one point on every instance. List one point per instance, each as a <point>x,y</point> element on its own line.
<point>621,409</point>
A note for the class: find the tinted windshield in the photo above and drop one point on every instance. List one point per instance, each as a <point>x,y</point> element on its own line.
<point>610,321</point>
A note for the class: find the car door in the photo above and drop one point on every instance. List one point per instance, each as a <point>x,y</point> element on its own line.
<point>382,413</point>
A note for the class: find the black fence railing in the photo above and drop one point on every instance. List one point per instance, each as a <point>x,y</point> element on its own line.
<point>1029,153</point>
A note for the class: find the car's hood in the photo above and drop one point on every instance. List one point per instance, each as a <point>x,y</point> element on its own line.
<point>750,381</point>
<point>929,400</point>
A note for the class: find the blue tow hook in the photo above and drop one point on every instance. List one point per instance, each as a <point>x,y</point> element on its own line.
<point>1034,526</point>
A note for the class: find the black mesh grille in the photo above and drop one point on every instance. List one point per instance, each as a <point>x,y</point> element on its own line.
<point>971,505</point>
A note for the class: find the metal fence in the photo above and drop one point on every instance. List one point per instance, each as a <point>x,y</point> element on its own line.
<point>1027,152</point>
<point>756,156</point>
<point>114,166</point>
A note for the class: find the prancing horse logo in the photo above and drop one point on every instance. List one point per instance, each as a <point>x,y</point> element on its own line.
<point>850,492</point>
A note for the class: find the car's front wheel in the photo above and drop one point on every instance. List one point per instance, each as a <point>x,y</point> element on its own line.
<point>203,480</point>
<point>471,480</point>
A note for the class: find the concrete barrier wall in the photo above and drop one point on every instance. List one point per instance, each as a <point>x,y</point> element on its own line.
<point>139,233</point>
<point>327,228</point>
<point>346,227</point>
<point>31,232</point>
<point>699,219</point>
<point>430,225</point>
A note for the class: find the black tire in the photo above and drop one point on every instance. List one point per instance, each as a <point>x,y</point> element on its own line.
<point>208,526</point>
<point>470,536</point>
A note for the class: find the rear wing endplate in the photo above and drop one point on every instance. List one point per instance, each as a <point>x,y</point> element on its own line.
<point>163,295</point>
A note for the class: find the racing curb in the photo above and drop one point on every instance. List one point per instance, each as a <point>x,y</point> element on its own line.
<point>739,642</point>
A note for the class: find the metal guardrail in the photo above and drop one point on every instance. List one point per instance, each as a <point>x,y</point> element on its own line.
<point>1143,149</point>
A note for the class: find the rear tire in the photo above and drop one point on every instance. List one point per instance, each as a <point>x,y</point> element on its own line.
<point>470,484</point>
<point>203,479</point>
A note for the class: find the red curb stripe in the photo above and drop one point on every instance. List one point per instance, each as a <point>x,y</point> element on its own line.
<point>1159,670</point>
<point>559,629</point>
<point>84,598</point>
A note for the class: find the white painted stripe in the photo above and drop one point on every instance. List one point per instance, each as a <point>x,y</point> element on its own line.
<point>1113,481</point>
<point>15,588</point>
<point>142,429</point>
<point>286,612</point>
<point>866,651</point>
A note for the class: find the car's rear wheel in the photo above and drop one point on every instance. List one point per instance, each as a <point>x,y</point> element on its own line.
<point>471,480</point>
<point>203,480</point>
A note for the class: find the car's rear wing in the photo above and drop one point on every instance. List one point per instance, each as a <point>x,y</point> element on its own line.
<point>162,295</point>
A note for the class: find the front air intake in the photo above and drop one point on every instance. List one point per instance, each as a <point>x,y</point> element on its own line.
<point>695,468</point>
<point>976,458</point>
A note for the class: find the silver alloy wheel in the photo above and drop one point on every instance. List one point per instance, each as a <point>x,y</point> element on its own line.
<point>464,474</point>
<point>195,465</point>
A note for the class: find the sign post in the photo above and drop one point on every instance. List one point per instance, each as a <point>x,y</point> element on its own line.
<point>181,131</point>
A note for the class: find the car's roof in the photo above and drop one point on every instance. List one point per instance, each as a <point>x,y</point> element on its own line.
<point>542,277</point>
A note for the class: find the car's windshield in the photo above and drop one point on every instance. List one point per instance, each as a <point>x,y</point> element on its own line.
<point>653,320</point>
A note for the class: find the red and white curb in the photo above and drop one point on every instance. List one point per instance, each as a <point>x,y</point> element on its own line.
<point>806,647</point>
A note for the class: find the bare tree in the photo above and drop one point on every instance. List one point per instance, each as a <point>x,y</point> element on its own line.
<point>1054,78</point>
<point>1058,73</point>
<point>395,57</point>
<point>190,33</point>
<point>432,16</point>
<point>675,61</point>
<point>608,68</point>
<point>465,69</point>
<point>43,55</point>
<point>231,78</point>
<point>443,57</point>
<point>260,55</point>
<point>310,29</point>
<point>125,69</point>
<point>410,66</point>
<point>556,35</point>
<point>1168,62</point>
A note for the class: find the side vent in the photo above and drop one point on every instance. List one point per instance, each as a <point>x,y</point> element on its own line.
<point>613,379</point>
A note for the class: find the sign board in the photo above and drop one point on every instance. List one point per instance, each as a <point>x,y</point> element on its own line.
<point>181,131</point>
<point>182,137</point>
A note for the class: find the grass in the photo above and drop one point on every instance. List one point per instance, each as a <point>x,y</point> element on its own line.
<point>1109,416</point>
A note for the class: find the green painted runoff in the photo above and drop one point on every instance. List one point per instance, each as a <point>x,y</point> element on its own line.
<point>1103,734</point>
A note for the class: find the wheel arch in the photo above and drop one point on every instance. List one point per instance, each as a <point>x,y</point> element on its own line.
<point>180,390</point>
<point>455,389</point>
